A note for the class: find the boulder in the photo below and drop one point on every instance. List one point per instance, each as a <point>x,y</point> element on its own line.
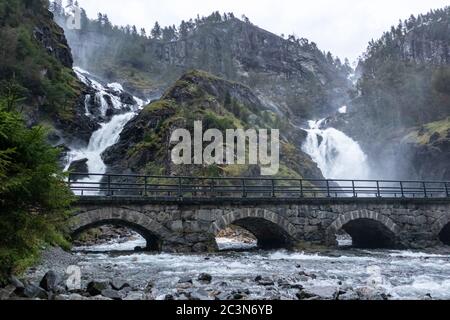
<point>205,277</point>
<point>51,281</point>
<point>95,288</point>
<point>118,284</point>
<point>79,166</point>
<point>5,293</point>
<point>200,294</point>
<point>112,294</point>
<point>264,281</point>
<point>32,292</point>
<point>16,283</point>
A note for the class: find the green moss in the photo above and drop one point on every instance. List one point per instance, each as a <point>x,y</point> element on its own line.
<point>423,136</point>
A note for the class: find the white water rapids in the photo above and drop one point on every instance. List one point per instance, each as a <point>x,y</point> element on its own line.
<point>337,155</point>
<point>109,132</point>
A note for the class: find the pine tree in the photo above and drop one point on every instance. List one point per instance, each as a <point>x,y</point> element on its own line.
<point>156,31</point>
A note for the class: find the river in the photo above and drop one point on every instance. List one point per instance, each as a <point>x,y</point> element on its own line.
<point>252,274</point>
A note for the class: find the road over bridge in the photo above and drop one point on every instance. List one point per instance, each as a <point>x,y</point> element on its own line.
<point>184,214</point>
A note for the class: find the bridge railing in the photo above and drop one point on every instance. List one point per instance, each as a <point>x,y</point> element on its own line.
<point>119,185</point>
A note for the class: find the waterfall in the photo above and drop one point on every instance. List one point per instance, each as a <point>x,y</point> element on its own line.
<point>336,154</point>
<point>109,132</point>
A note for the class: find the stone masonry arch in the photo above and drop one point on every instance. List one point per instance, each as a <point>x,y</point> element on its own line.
<point>270,229</point>
<point>361,215</point>
<point>152,231</point>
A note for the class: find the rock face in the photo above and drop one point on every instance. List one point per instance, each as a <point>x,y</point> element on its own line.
<point>293,75</point>
<point>40,64</point>
<point>400,110</point>
<point>79,166</point>
<point>144,145</point>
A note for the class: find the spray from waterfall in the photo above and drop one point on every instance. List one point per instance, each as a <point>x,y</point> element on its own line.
<point>336,154</point>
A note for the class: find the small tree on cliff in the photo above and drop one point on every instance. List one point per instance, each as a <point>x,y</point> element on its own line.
<point>156,31</point>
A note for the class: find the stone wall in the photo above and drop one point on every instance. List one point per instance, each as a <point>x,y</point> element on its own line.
<point>192,227</point>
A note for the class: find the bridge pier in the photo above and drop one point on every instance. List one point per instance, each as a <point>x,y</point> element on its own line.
<point>191,225</point>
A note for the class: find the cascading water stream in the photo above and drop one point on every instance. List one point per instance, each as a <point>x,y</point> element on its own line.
<point>109,132</point>
<point>337,155</point>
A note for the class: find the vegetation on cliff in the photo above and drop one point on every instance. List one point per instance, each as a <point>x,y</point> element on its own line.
<point>33,197</point>
<point>144,146</point>
<point>35,55</point>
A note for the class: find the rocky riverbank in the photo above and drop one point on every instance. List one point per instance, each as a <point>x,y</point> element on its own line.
<point>332,275</point>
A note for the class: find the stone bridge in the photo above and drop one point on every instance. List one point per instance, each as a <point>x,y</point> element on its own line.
<point>192,225</point>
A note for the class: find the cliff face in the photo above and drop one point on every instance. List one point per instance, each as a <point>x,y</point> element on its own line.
<point>36,64</point>
<point>144,145</point>
<point>291,75</point>
<point>404,90</point>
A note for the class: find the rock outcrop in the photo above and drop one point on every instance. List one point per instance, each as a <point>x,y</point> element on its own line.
<point>144,145</point>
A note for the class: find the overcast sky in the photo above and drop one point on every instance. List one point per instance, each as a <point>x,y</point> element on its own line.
<point>343,27</point>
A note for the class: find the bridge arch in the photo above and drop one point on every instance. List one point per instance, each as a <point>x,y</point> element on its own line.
<point>441,229</point>
<point>270,229</point>
<point>153,232</point>
<point>368,229</point>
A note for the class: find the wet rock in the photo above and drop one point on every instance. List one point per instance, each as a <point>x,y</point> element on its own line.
<point>324,293</point>
<point>32,291</point>
<point>205,277</point>
<point>348,295</point>
<point>95,288</point>
<point>51,281</point>
<point>185,280</point>
<point>5,293</point>
<point>79,166</point>
<point>112,294</point>
<point>133,296</point>
<point>169,297</point>
<point>200,294</point>
<point>372,294</point>
<point>70,297</point>
<point>118,284</point>
<point>127,98</point>
<point>264,281</point>
<point>16,283</point>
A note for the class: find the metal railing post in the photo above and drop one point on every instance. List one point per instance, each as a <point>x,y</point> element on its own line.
<point>145,186</point>
<point>447,191</point>
<point>180,187</point>
<point>425,190</point>
<point>301,189</point>
<point>273,189</point>
<point>378,189</point>
<point>401,189</point>
<point>109,186</point>
<point>328,189</point>
<point>212,188</point>
<point>244,189</point>
<point>354,189</point>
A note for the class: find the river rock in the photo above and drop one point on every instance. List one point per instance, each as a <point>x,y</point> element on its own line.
<point>51,281</point>
<point>112,294</point>
<point>95,288</point>
<point>118,284</point>
<point>200,294</point>
<point>264,281</point>
<point>32,291</point>
<point>185,280</point>
<point>16,283</point>
<point>205,277</point>
<point>5,293</point>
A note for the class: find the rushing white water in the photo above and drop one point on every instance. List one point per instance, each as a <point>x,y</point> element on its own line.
<point>109,132</point>
<point>337,155</point>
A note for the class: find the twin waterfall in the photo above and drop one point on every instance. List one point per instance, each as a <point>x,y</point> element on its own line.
<point>337,155</point>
